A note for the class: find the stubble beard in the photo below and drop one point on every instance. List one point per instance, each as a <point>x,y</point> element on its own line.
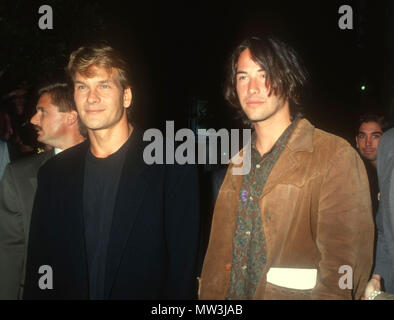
<point>370,158</point>
<point>264,115</point>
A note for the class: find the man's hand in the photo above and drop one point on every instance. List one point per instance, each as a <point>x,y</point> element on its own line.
<point>373,284</point>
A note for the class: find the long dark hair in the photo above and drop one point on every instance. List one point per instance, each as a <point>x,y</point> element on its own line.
<point>285,72</point>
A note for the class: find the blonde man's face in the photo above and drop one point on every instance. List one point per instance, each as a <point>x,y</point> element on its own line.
<point>101,102</point>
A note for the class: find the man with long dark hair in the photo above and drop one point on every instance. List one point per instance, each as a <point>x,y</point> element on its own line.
<point>299,224</point>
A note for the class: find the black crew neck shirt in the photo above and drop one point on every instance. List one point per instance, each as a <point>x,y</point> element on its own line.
<point>102,176</point>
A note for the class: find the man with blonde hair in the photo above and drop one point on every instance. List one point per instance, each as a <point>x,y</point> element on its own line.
<point>114,227</point>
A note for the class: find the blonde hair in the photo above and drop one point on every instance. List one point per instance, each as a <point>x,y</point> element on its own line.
<point>101,55</point>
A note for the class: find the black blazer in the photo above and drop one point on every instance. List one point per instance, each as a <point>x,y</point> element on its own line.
<point>152,252</point>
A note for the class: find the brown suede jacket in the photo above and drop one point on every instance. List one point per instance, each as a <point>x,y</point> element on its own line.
<point>316,214</point>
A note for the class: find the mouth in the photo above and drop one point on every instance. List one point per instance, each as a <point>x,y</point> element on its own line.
<point>38,129</point>
<point>253,103</point>
<point>369,150</point>
<point>39,135</point>
<point>93,111</point>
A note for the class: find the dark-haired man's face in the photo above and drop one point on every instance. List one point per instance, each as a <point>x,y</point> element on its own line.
<point>368,138</point>
<point>252,90</point>
<point>49,122</point>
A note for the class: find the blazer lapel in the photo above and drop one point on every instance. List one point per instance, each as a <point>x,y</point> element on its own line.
<point>131,190</point>
<point>75,218</point>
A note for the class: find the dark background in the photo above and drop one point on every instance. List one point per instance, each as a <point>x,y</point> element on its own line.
<point>178,52</point>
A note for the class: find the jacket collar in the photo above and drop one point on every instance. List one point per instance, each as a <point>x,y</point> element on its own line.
<point>301,140</point>
<point>302,137</point>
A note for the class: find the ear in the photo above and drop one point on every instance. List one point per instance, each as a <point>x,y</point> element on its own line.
<point>71,117</point>
<point>127,97</point>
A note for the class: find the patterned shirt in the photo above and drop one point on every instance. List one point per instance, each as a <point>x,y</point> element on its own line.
<point>249,251</point>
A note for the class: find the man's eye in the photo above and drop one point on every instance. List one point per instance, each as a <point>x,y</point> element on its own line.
<point>81,87</point>
<point>361,136</point>
<point>105,86</point>
<point>241,78</point>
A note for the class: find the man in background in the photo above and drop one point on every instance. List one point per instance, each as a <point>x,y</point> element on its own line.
<point>23,140</point>
<point>56,122</point>
<point>371,128</point>
<point>383,273</point>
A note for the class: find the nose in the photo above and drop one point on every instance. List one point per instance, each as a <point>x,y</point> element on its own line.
<point>35,119</point>
<point>369,141</point>
<point>253,86</point>
<point>93,97</point>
